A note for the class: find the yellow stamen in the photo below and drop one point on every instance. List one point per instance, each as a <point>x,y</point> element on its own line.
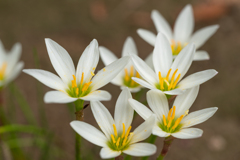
<point>132,83</point>
<point>126,74</point>
<point>131,71</point>
<point>123,133</point>
<point>77,91</point>
<point>137,75</point>
<point>115,130</point>
<point>85,86</point>
<point>176,81</point>
<point>3,70</point>
<point>128,131</point>
<point>169,114</point>
<point>74,83</point>
<point>169,123</point>
<point>92,73</point>
<point>117,144</point>
<point>124,141</point>
<point>82,78</point>
<point>173,114</point>
<point>160,80</point>
<point>164,120</point>
<point>186,112</point>
<point>172,79</point>
<point>113,139</point>
<point>177,122</point>
<point>168,74</point>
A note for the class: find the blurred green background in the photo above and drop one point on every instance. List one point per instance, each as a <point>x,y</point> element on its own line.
<point>73,24</point>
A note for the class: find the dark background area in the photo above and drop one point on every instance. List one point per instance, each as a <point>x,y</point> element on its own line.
<point>73,24</point>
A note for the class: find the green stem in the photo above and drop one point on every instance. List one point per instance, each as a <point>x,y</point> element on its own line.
<point>166,145</point>
<point>151,140</point>
<point>80,117</point>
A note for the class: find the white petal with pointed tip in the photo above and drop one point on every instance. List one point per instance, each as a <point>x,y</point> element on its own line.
<point>200,56</point>
<point>184,102</point>
<point>197,78</point>
<point>198,117</point>
<point>89,133</point>
<point>58,97</point>
<point>105,75</point>
<point>148,36</point>
<point>143,83</point>
<point>13,58</point>
<point>129,47</point>
<point>123,111</point>
<point>17,70</point>
<point>162,55</point>
<point>202,35</point>
<point>103,118</point>
<point>141,149</point>
<point>99,95</point>
<point>174,92</point>
<point>184,24</point>
<point>142,110</point>
<point>149,60</point>
<point>107,56</point>
<point>107,153</point>
<point>188,133</point>
<point>144,130</point>
<point>47,78</point>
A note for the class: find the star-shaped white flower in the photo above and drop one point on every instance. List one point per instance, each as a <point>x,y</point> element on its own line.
<point>167,75</point>
<point>10,67</point>
<point>81,84</point>
<point>117,136</point>
<point>124,78</point>
<point>181,34</point>
<point>176,121</point>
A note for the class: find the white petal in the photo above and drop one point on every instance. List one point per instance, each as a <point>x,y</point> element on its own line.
<point>198,117</point>
<point>149,60</point>
<point>144,130</point>
<point>141,149</point>
<point>175,92</point>
<point>88,61</point>
<point>129,47</point>
<point>148,36</point>
<point>89,133</point>
<point>98,95</point>
<point>162,55</point>
<point>197,79</point>
<point>58,97</point>
<point>188,133</point>
<point>184,102</point>
<point>202,35</point>
<point>107,153</point>
<point>123,111</point>
<point>105,75</point>
<point>61,61</point>
<point>201,56</point>
<point>118,80</point>
<point>144,70</point>
<point>183,61</point>
<point>47,78</point>
<point>17,70</point>
<point>143,83</point>
<point>13,57</point>
<point>142,110</point>
<point>161,24</point>
<point>134,90</point>
<point>103,118</point>
<point>158,102</point>
<point>159,132</point>
<point>107,56</point>
<point>184,24</point>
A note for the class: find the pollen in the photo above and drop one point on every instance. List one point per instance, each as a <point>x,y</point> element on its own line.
<point>167,83</point>
<point>3,70</point>
<point>127,79</point>
<point>177,47</point>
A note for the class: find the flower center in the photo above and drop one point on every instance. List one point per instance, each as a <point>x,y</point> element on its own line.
<point>127,79</point>
<point>167,84</point>
<point>172,124</point>
<point>177,47</point>
<point>79,90</point>
<point>3,70</point>
<point>120,142</point>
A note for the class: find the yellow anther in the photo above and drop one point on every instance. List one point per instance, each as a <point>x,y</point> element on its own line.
<point>172,79</point>
<point>93,68</point>
<point>173,114</point>
<point>169,123</point>
<point>131,71</point>
<point>126,74</point>
<point>82,78</point>
<point>176,81</point>
<point>164,120</point>
<point>77,91</point>
<point>74,82</point>
<point>160,80</point>
<point>137,75</point>
<point>186,112</point>
<point>92,73</point>
<point>132,83</point>
<point>115,130</point>
<point>124,141</point>
<point>169,114</point>
<point>123,133</point>
<point>168,74</point>
<point>85,86</point>
<point>3,70</point>
<point>117,144</point>
<point>113,139</point>
<point>176,123</point>
<point>128,131</point>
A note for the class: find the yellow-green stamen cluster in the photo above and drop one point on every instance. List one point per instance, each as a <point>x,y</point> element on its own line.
<point>177,47</point>
<point>127,79</point>
<point>3,70</point>
<point>172,124</point>
<point>166,84</point>
<point>121,141</point>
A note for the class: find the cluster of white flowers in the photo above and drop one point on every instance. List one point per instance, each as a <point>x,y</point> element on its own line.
<point>162,73</point>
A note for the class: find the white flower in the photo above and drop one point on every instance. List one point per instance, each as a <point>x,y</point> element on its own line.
<point>168,73</point>
<point>80,84</point>
<point>10,67</point>
<point>176,121</point>
<point>124,78</point>
<point>182,32</point>
<point>117,136</point>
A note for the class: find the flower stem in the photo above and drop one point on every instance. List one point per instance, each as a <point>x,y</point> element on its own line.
<point>80,117</point>
<point>119,158</point>
<point>166,145</point>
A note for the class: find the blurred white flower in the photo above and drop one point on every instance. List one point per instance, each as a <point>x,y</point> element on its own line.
<point>80,84</point>
<point>10,67</point>
<point>181,34</point>
<point>117,136</point>
<point>168,73</point>
<point>124,78</point>
<point>176,121</point>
